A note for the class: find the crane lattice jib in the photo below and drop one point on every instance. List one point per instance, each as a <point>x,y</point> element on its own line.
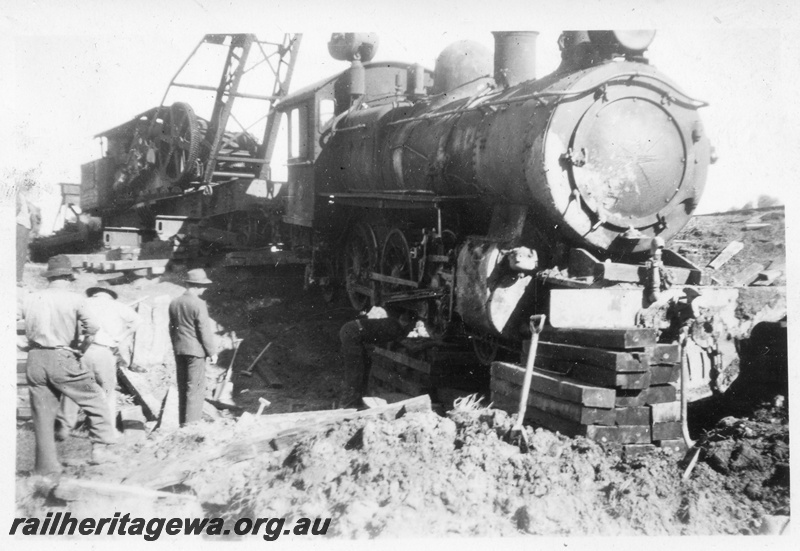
<point>279,59</point>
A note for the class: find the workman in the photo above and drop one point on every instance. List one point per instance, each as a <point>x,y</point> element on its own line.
<point>29,220</point>
<point>658,277</point>
<point>54,318</point>
<point>193,342</point>
<point>686,323</point>
<point>377,327</point>
<point>117,322</point>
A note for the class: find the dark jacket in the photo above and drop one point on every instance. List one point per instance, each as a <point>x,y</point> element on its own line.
<point>190,327</point>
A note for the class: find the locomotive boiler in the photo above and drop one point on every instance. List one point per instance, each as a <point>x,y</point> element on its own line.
<point>455,191</point>
<point>466,193</point>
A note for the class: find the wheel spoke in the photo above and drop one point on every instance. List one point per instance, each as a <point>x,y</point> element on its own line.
<point>395,259</point>
<point>359,254</point>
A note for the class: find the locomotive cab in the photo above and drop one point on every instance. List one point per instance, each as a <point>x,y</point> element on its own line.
<point>314,114</point>
<point>307,113</point>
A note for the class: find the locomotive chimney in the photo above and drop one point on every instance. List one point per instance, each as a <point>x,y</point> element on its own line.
<point>514,57</point>
<point>357,48</point>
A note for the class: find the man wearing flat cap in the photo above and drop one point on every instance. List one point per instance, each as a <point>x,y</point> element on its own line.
<point>193,341</point>
<point>54,318</point>
<point>116,322</point>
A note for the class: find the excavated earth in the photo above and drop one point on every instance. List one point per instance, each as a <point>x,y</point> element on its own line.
<point>436,473</point>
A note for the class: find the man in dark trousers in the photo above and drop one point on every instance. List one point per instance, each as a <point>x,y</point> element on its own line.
<point>117,323</point>
<point>54,319</point>
<point>193,341</point>
<point>377,327</point>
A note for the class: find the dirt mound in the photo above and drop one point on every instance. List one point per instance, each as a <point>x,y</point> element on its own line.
<point>754,456</point>
<point>761,231</point>
<point>456,475</point>
<point>427,475</point>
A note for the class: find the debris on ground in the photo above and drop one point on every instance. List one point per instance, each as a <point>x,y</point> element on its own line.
<point>420,473</point>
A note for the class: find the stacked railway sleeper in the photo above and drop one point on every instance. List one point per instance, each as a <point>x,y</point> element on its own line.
<point>426,366</point>
<point>614,386</point>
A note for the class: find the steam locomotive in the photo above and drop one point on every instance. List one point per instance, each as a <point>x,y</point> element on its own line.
<point>467,192</point>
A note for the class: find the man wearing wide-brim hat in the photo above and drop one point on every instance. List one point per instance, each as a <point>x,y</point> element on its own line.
<point>54,318</point>
<point>193,341</point>
<point>116,322</point>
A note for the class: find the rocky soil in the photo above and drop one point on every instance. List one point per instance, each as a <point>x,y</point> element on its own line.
<point>449,472</point>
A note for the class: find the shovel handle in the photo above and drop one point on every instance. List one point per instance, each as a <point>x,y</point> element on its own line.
<point>537,324</point>
<point>235,342</point>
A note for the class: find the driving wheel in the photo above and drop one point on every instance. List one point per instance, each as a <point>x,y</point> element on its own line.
<point>360,260</point>
<point>486,349</point>
<point>395,260</point>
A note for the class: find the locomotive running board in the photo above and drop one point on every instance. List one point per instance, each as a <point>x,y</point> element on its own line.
<point>411,199</point>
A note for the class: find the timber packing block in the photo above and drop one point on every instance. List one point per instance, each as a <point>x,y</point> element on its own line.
<point>665,412</point>
<point>420,370</point>
<point>623,338</point>
<point>676,446</point>
<point>384,375</point>
<point>666,431</point>
<point>666,354</point>
<point>556,386</point>
<point>637,415</point>
<point>622,362</point>
<point>626,434</point>
<point>663,374</point>
<point>629,398</point>
<point>605,434</point>
<point>659,394</point>
<point>603,377</point>
<point>566,410</point>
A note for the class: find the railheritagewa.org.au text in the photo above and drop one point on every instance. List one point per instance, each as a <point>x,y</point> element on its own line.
<point>64,524</point>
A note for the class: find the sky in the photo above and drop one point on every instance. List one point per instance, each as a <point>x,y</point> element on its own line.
<point>69,83</point>
<point>76,72</point>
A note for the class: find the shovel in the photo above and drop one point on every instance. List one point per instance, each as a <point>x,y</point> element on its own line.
<point>224,391</point>
<point>517,434</point>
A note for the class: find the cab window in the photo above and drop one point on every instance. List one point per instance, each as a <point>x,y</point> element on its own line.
<point>326,110</point>
<point>298,133</point>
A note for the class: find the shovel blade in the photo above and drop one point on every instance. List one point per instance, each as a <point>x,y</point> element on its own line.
<point>224,394</point>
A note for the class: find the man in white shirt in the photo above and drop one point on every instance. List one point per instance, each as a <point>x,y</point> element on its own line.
<point>54,318</point>
<point>117,322</point>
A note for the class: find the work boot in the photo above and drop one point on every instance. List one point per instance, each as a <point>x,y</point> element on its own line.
<point>102,453</point>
